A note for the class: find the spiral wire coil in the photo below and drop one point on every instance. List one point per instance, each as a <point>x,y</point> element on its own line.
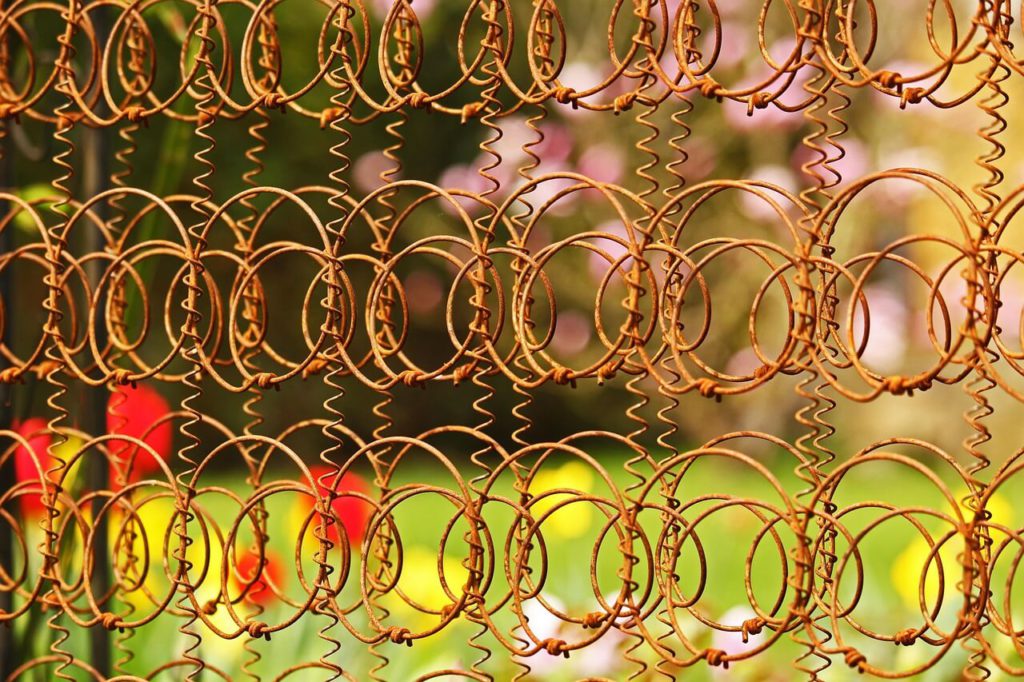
<point>104,323</point>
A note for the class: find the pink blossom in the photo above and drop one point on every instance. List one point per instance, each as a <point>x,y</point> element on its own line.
<point>557,144</point>
<point>757,208</point>
<point>367,170</point>
<point>758,120</point>
<point>466,178</point>
<point>851,166</point>
<point>735,48</point>
<point>701,159</point>
<point>572,332</point>
<point>599,264</point>
<point>887,341</point>
<point>421,8</point>
<point>732,642</point>
<point>422,292</point>
<point>602,162</point>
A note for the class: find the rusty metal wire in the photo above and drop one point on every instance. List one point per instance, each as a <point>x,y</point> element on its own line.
<point>105,322</point>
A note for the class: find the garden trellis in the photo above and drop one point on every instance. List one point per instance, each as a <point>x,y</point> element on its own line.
<point>117,287</point>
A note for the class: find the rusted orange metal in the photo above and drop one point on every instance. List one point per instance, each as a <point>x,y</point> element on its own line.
<point>210,328</point>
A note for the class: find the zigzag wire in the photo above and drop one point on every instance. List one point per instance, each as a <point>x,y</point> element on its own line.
<point>479,366</point>
<point>523,300</point>
<point>206,115</point>
<point>992,76</point>
<point>822,430</point>
<point>68,356</point>
<point>635,281</point>
<point>811,416</point>
<point>670,431</point>
<point>386,336</point>
<point>521,409</point>
<point>252,335</point>
<point>336,120</point>
<point>670,428</point>
<point>124,169</point>
<point>53,367</point>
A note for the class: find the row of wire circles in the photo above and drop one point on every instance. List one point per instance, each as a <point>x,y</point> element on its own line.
<point>655,51</point>
<point>663,531</point>
<point>653,299</point>
<point>129,286</point>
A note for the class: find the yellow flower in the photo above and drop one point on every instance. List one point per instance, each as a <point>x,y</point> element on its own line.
<point>154,517</point>
<point>907,568</point>
<point>421,584</point>
<point>570,520</point>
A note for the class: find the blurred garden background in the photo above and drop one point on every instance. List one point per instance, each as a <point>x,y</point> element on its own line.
<point>721,140</point>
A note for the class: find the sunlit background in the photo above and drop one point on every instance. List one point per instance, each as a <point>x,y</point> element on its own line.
<point>722,141</point>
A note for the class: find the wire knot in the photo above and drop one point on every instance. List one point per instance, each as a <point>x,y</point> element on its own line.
<point>122,377</point>
<point>555,647</point>
<point>412,378</point>
<point>625,102</point>
<point>759,100</point>
<point>9,375</point>
<point>419,100</point>
<point>855,659</point>
<point>67,119</point>
<point>399,635</point>
<point>606,372</point>
<point>205,118</point>
<point>472,110</point>
<point>265,380</point>
<point>563,376</point>
<point>900,385</point>
<point>112,621</point>
<point>911,96</point>
<point>708,388</point>
<point>752,626</point>
<point>136,114</point>
<point>44,368</point>
<point>462,373</point>
<point>210,607</point>
<point>905,637</point>
<point>329,115</point>
<point>257,629</point>
<point>889,79</point>
<point>315,366</point>
<point>273,100</point>
<point>710,88</point>
<point>564,95</point>
<point>716,657</point>
<point>8,110</point>
<point>594,619</point>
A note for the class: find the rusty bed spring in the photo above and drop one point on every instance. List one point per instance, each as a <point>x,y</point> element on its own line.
<point>94,79</point>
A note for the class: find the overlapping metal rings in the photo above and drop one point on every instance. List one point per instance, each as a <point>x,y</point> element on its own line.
<point>178,546</point>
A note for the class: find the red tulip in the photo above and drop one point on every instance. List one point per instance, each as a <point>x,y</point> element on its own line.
<point>143,407</point>
<point>35,431</point>
<point>272,574</point>
<point>352,512</point>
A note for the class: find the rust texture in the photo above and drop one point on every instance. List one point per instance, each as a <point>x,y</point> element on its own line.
<point>100,320</point>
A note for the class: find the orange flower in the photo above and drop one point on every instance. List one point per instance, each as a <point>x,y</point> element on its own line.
<point>350,510</point>
<point>258,586</point>
<point>35,431</point>
<point>141,416</point>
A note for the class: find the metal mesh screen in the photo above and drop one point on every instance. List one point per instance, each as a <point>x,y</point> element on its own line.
<point>248,415</point>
